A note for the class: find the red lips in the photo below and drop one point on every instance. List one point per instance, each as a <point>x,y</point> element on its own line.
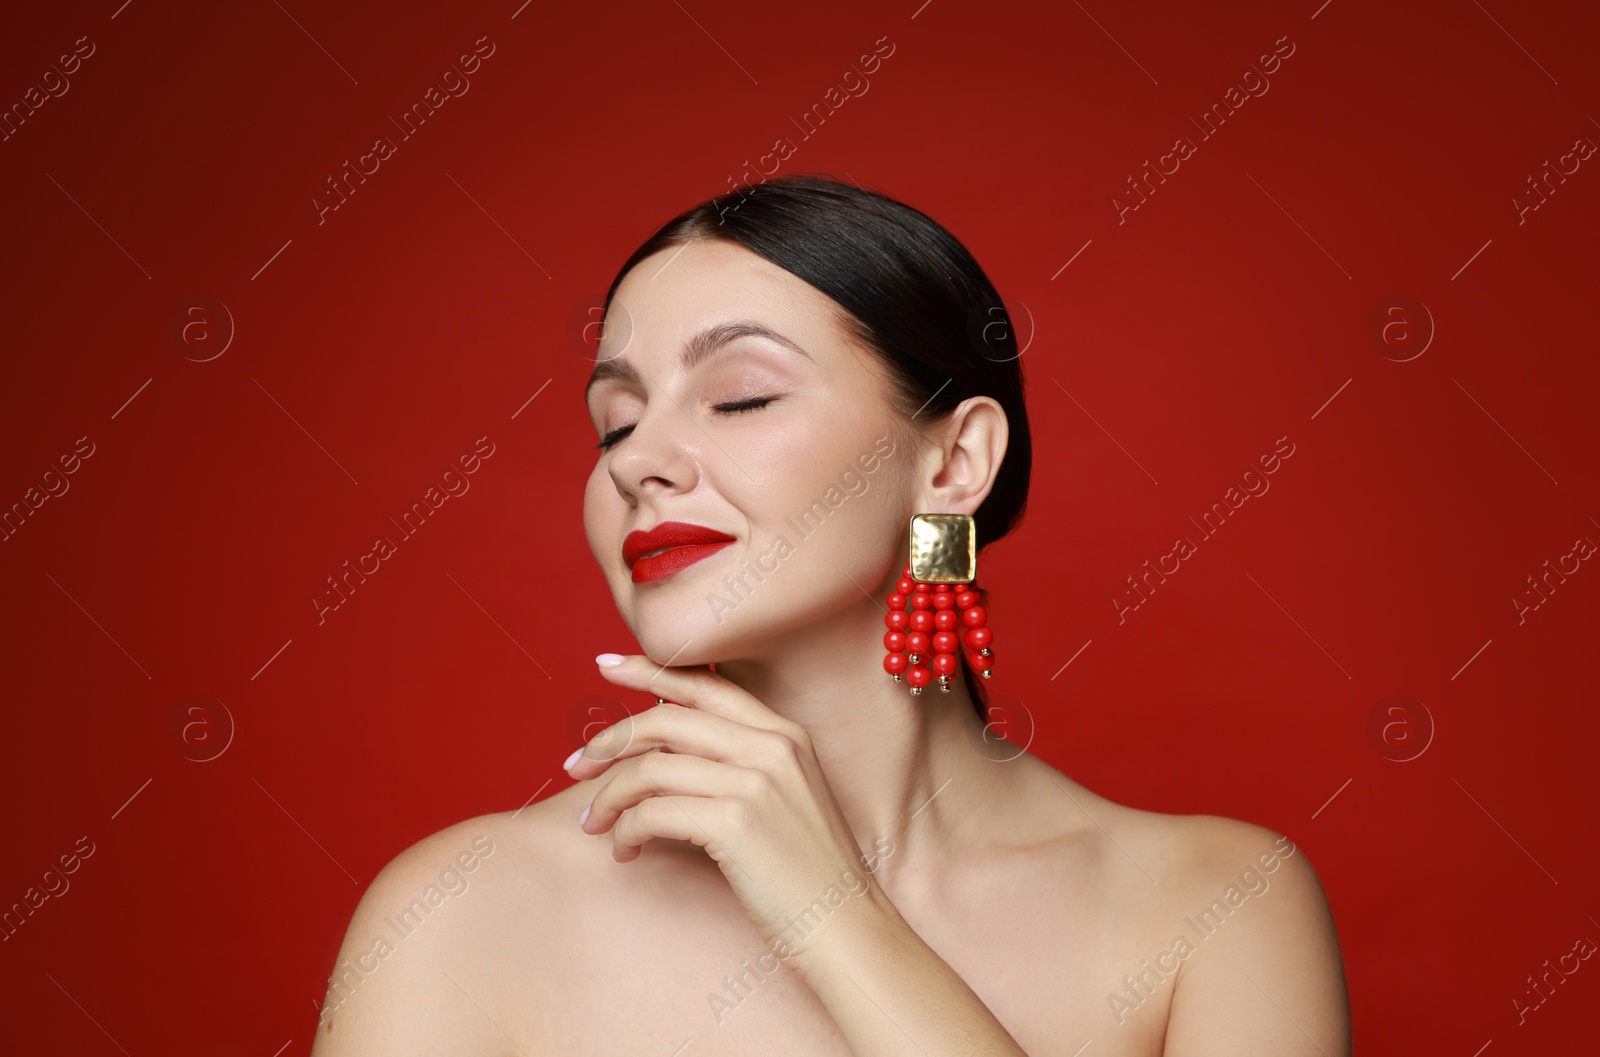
<point>687,544</point>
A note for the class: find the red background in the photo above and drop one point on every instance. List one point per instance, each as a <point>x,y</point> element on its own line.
<point>1231,309</point>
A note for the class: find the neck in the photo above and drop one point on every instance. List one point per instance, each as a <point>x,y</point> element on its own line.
<point>909,772</point>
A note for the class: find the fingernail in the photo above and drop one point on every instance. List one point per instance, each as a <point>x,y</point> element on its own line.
<point>610,660</point>
<point>585,816</point>
<point>573,758</point>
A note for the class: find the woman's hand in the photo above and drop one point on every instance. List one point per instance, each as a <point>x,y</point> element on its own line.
<point>716,767</point>
<point>726,772</point>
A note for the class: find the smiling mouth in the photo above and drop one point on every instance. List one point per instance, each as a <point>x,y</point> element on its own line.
<point>668,560</point>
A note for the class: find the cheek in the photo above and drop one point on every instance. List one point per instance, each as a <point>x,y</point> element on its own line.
<point>836,516</point>
<point>780,454</point>
<point>813,450</point>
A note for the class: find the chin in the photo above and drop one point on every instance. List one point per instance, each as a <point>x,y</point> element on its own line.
<point>685,633</point>
<point>671,630</point>
<point>666,647</point>
<point>700,615</point>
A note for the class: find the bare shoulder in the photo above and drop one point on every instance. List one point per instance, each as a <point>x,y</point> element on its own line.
<point>1172,850</point>
<point>1185,855</point>
<point>1205,849</point>
<point>1247,937</point>
<point>1262,971</point>
<point>536,849</point>
<point>1242,874</point>
<point>518,865</point>
<point>441,928</point>
<point>1236,925</point>
<point>498,856</point>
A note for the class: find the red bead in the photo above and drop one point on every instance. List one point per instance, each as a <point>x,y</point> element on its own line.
<point>941,588</point>
<point>896,600</point>
<point>921,600</point>
<point>944,600</point>
<point>896,620</point>
<point>917,642</point>
<point>975,617</point>
<point>921,620</point>
<point>979,662</point>
<point>895,663</point>
<point>895,641</point>
<point>946,619</point>
<point>967,599</point>
<point>944,664</point>
<point>959,588</point>
<point>906,585</point>
<point>978,638</point>
<point>918,675</point>
<point>946,642</point>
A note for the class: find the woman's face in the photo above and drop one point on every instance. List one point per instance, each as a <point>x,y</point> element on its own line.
<point>811,487</point>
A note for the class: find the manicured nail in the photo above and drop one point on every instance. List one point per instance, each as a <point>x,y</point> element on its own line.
<point>609,660</point>
<point>573,758</point>
<point>585,816</point>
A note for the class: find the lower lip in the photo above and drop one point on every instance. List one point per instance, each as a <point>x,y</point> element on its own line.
<point>670,561</point>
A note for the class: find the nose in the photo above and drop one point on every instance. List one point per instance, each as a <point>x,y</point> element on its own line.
<point>659,455</point>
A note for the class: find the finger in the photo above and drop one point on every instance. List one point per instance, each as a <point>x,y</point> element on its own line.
<point>696,685</point>
<point>690,818</point>
<point>666,774</point>
<point>674,728</point>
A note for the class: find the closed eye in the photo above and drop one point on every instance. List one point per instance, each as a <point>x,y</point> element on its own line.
<point>733,408</point>
<point>737,406</point>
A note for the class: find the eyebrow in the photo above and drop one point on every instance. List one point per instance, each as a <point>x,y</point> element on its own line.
<point>701,346</point>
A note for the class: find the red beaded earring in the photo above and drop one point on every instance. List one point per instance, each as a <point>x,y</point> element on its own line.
<point>935,608</point>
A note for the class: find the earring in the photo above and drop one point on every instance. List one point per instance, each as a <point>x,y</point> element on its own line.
<point>935,608</point>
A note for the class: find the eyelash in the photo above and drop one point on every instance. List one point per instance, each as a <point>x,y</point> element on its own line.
<point>734,408</point>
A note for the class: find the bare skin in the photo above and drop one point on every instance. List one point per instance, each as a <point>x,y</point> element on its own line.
<point>1008,910</point>
<point>556,948</point>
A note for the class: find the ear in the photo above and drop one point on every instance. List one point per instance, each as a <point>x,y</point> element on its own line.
<point>964,458</point>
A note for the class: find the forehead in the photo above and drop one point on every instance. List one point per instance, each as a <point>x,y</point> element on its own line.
<point>670,295</point>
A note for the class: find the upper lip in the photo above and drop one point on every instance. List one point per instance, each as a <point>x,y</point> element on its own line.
<point>668,534</point>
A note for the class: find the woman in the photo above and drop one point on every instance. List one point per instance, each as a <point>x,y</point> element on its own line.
<point>818,847</point>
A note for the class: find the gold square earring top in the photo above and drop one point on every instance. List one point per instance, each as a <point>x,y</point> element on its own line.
<point>944,548</point>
